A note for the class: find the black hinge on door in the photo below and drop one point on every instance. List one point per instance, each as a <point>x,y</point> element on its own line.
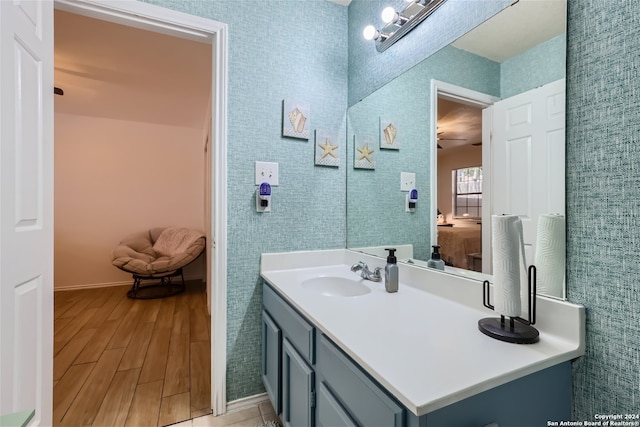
<point>312,398</point>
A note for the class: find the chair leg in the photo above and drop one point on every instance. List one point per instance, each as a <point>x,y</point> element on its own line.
<point>166,287</point>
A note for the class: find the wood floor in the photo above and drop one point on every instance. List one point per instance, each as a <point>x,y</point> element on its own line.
<point>124,362</point>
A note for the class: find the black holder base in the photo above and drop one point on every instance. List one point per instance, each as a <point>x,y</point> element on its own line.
<point>165,288</point>
<point>512,331</point>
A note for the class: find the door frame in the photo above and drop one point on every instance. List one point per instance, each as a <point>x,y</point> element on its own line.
<point>462,95</point>
<point>154,18</point>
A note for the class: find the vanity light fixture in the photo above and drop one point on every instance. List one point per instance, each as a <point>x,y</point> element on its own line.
<point>397,24</point>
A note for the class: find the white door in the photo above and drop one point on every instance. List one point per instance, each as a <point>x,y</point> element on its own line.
<point>26,208</point>
<point>528,152</point>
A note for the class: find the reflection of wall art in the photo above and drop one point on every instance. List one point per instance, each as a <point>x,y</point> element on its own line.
<point>363,153</point>
<point>296,119</point>
<point>388,134</point>
<point>327,149</point>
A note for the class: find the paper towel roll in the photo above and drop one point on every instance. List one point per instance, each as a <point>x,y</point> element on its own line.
<point>550,254</point>
<point>508,248</point>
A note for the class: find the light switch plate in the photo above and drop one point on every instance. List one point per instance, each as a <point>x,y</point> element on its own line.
<point>267,172</point>
<point>407,181</point>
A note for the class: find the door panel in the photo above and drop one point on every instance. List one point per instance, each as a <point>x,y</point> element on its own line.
<point>271,360</point>
<point>26,209</point>
<point>528,145</point>
<point>330,412</point>
<point>297,388</point>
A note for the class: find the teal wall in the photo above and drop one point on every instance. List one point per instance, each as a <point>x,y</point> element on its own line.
<point>603,189</point>
<point>538,66</point>
<point>277,49</point>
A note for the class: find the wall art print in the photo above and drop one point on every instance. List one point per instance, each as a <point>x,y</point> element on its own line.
<point>327,149</point>
<point>363,154</point>
<point>389,134</point>
<point>296,119</point>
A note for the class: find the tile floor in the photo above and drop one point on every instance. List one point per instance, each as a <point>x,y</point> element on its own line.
<point>250,417</point>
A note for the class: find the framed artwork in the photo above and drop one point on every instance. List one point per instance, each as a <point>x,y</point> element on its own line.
<point>363,153</point>
<point>327,149</point>
<point>296,118</point>
<point>389,134</point>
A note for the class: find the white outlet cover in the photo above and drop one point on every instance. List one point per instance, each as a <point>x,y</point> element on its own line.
<point>407,181</point>
<point>267,172</point>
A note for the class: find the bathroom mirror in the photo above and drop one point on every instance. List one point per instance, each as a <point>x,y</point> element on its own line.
<point>440,137</point>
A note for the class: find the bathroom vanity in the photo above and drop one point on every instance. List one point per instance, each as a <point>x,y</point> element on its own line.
<point>340,351</point>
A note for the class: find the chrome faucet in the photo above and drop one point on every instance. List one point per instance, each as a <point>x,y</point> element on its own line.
<point>365,273</point>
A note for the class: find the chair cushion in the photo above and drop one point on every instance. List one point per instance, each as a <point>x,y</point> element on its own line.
<point>175,240</point>
<point>135,254</point>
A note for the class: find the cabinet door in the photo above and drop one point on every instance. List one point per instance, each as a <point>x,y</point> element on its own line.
<point>271,360</point>
<point>298,400</point>
<point>366,403</point>
<point>330,412</point>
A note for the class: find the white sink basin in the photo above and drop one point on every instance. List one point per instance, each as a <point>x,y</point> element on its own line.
<point>335,286</point>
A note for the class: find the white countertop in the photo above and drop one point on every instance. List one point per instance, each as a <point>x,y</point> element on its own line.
<point>422,343</point>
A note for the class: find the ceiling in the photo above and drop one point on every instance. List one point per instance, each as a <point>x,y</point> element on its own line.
<point>458,124</point>
<point>516,29</point>
<point>119,72</point>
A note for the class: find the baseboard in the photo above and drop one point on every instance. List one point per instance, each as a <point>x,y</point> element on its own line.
<point>109,284</point>
<point>246,402</point>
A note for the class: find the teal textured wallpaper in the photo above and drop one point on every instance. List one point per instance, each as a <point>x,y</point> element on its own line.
<point>538,66</point>
<point>282,49</point>
<point>603,188</point>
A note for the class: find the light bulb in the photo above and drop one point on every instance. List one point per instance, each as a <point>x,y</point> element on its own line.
<point>389,15</point>
<point>370,32</point>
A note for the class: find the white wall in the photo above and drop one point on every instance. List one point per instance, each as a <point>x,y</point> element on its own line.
<point>448,160</point>
<point>115,177</point>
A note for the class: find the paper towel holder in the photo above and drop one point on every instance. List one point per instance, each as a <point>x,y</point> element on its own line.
<point>517,330</point>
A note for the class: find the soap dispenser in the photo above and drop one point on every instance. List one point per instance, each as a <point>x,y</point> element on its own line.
<point>435,261</point>
<point>391,271</point>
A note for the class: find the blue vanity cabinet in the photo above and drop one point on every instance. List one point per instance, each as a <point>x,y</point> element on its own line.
<point>530,401</point>
<point>312,382</point>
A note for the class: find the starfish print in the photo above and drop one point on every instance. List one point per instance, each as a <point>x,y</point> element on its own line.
<point>328,149</point>
<point>365,152</point>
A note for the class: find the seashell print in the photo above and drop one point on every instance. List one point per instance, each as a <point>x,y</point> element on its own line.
<point>297,120</point>
<point>390,133</point>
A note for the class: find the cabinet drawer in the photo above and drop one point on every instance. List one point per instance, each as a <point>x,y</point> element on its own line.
<point>299,332</point>
<point>363,399</point>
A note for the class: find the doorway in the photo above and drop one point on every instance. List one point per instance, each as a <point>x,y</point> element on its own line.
<point>164,21</point>
<point>461,143</point>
